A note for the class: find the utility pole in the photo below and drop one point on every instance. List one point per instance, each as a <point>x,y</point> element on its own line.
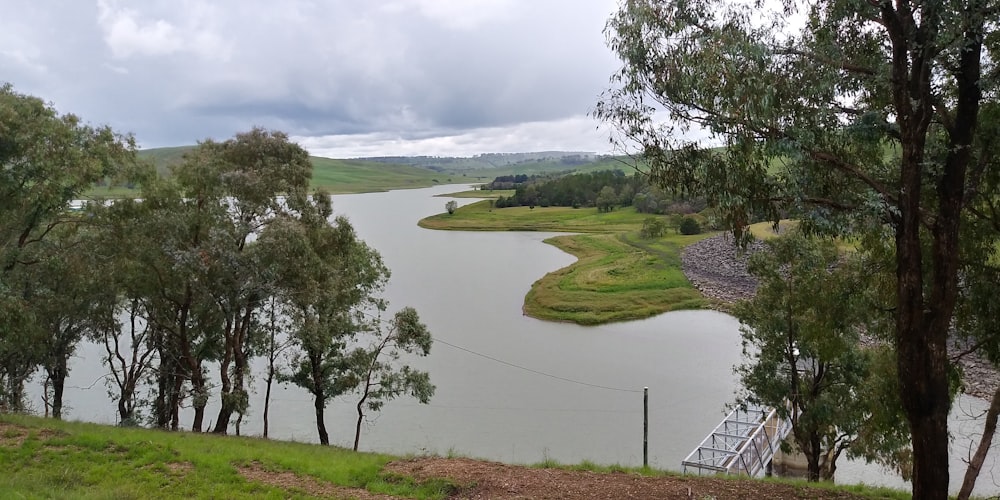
<point>645,427</point>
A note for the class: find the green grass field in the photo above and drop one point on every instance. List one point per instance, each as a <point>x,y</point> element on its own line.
<point>617,276</point>
<point>479,193</point>
<point>43,458</point>
<point>336,176</point>
<point>480,216</point>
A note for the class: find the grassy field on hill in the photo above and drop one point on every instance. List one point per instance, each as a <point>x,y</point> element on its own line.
<point>364,176</point>
<point>355,176</point>
<point>336,176</point>
<point>618,275</point>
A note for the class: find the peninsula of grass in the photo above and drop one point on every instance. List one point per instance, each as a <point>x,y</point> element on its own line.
<point>618,276</point>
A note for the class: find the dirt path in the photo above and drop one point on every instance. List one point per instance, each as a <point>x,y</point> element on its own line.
<point>491,480</point>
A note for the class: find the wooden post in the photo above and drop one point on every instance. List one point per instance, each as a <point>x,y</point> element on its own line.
<point>645,427</point>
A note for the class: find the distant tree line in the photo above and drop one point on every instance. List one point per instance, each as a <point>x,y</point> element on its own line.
<point>228,259</point>
<point>604,190</point>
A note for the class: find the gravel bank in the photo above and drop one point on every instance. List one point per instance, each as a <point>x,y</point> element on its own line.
<point>718,269</point>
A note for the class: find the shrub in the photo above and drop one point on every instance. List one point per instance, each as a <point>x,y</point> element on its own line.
<point>690,226</point>
<point>653,227</point>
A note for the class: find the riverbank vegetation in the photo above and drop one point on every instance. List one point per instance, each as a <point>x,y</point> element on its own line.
<point>44,458</point>
<point>228,259</point>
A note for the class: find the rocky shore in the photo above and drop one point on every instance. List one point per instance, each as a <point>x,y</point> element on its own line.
<point>718,269</point>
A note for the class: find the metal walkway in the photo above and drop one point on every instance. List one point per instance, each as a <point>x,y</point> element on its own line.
<point>744,443</point>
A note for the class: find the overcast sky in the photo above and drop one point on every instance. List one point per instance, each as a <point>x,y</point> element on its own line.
<point>344,78</point>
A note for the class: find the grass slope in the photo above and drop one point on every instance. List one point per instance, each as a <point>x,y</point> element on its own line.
<point>41,458</point>
<point>617,276</point>
<point>336,176</point>
<point>356,176</point>
<point>44,458</point>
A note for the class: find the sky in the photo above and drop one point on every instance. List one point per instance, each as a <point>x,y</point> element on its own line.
<point>343,78</point>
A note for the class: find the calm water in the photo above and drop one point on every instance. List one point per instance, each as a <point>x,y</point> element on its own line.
<point>491,401</point>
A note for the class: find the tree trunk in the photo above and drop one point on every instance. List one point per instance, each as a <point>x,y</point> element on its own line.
<point>320,404</point>
<point>57,376</point>
<point>174,402</point>
<point>812,453</point>
<point>267,395</point>
<point>226,392</point>
<point>976,464</point>
<point>233,392</point>
<point>199,399</point>
<point>357,429</point>
<point>124,413</point>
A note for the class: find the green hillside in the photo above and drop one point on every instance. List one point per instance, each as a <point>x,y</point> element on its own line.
<point>359,176</point>
<point>383,174</point>
<point>337,176</point>
<point>486,167</point>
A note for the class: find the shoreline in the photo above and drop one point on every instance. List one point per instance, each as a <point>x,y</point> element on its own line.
<point>718,269</point>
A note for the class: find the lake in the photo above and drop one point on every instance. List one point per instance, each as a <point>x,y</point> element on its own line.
<point>509,387</point>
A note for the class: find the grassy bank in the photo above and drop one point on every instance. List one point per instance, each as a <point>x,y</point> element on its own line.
<point>42,458</point>
<point>617,276</point>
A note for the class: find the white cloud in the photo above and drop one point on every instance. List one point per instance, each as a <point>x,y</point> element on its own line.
<point>464,14</point>
<point>130,34</point>
<point>576,133</point>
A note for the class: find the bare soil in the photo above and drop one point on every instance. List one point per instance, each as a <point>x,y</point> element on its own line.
<point>477,479</point>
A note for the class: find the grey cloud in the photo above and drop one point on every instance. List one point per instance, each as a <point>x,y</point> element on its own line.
<point>176,72</point>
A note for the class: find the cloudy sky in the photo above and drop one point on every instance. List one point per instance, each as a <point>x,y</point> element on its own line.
<point>344,78</point>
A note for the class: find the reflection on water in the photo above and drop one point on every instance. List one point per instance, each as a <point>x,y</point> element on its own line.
<point>509,387</point>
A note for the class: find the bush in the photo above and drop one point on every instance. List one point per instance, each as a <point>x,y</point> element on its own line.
<point>690,226</point>
<point>653,227</point>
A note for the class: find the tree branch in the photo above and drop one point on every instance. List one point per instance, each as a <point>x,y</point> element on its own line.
<point>842,65</point>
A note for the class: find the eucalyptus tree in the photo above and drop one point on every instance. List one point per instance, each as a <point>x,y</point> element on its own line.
<point>857,117</point>
<point>122,324</point>
<point>329,279</point>
<point>261,174</point>
<point>69,299</point>
<point>379,380</point>
<point>978,309</point>
<point>174,230</point>
<point>801,334</point>
<point>46,160</point>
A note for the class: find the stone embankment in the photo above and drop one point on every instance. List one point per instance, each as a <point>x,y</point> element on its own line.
<point>718,268</point>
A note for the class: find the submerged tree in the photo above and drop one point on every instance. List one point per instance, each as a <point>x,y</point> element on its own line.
<point>859,120</point>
